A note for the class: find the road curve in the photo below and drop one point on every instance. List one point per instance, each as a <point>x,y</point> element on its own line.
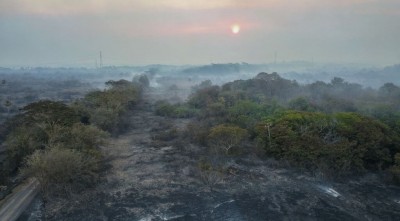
<point>14,205</point>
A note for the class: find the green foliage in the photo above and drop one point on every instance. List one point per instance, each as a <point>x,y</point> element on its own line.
<point>61,171</point>
<point>86,139</point>
<point>105,118</point>
<point>332,104</point>
<point>247,114</point>
<point>106,108</point>
<point>265,87</point>
<point>204,97</point>
<point>164,108</point>
<point>47,112</point>
<point>39,124</point>
<point>301,104</point>
<point>197,132</point>
<point>215,110</point>
<point>373,141</point>
<point>211,171</point>
<point>338,143</point>
<point>46,124</point>
<point>121,95</point>
<point>388,115</point>
<point>336,140</point>
<point>182,111</point>
<point>22,142</point>
<point>224,137</point>
<point>60,146</point>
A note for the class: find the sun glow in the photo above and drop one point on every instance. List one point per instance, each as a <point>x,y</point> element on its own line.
<point>235,29</point>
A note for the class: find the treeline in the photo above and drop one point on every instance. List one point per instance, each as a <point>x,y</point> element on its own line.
<point>60,144</point>
<point>18,90</point>
<point>337,128</point>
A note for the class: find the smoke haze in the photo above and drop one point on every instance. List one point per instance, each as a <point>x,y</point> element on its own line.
<point>71,33</point>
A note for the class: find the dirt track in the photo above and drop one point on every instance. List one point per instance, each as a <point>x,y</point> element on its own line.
<point>16,203</point>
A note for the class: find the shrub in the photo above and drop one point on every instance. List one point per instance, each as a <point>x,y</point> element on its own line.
<point>163,108</point>
<point>226,137</point>
<point>340,143</point>
<point>61,171</point>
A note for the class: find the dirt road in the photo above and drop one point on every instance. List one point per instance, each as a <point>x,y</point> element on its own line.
<point>15,204</point>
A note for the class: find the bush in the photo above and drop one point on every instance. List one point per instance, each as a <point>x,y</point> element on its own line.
<point>61,171</point>
<point>163,108</point>
<point>223,137</point>
<point>106,109</point>
<point>21,142</point>
<point>210,173</point>
<point>46,124</point>
<point>87,139</point>
<point>197,132</point>
<point>339,143</point>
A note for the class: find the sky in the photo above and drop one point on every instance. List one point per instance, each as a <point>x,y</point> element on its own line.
<point>140,32</point>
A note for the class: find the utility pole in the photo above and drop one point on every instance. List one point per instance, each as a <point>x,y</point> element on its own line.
<point>275,57</point>
<point>101,60</point>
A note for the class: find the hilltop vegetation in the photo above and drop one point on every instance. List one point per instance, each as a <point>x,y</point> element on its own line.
<point>336,128</point>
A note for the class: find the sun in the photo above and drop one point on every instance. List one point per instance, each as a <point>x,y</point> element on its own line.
<point>235,29</point>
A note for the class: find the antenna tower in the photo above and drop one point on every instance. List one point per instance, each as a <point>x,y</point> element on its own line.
<point>101,60</point>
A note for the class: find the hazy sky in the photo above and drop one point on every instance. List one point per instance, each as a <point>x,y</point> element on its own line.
<point>136,32</point>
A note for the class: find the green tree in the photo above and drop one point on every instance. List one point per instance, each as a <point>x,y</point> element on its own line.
<point>343,142</point>
<point>106,108</point>
<point>301,104</point>
<point>226,137</point>
<point>21,142</point>
<point>247,114</point>
<point>61,171</point>
<point>204,97</point>
<point>48,112</point>
<point>87,139</point>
